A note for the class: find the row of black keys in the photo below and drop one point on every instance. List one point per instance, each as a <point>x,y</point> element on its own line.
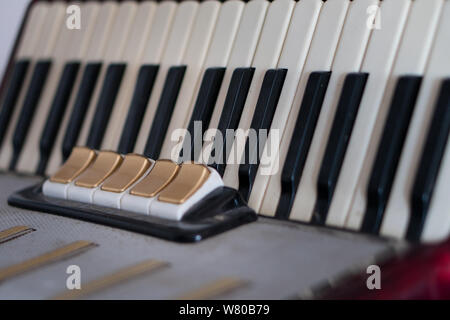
<point>383,172</point>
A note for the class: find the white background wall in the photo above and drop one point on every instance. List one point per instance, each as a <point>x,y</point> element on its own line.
<point>11,13</point>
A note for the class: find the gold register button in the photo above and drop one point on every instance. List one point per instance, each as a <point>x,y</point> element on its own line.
<point>104,165</point>
<point>132,168</point>
<point>190,178</point>
<point>162,173</point>
<point>79,160</point>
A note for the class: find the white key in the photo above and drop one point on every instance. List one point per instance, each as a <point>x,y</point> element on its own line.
<point>220,47</point>
<point>119,34</point>
<point>172,211</point>
<point>95,50</point>
<point>293,57</point>
<point>50,31</point>
<point>397,212</point>
<point>194,59</point>
<point>48,35</point>
<point>377,63</point>
<point>437,225</point>
<point>134,50</point>
<point>173,54</point>
<point>411,59</point>
<point>241,56</point>
<point>71,46</point>
<point>320,57</point>
<point>266,57</point>
<point>32,30</point>
<point>159,33</point>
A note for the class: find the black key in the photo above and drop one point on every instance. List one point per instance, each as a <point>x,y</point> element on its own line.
<point>203,109</point>
<point>105,104</point>
<point>340,133</point>
<point>389,151</point>
<point>262,120</point>
<point>32,97</point>
<point>142,91</point>
<point>56,113</point>
<point>301,140</point>
<point>231,114</point>
<point>12,94</point>
<point>164,111</point>
<point>82,101</point>
<point>430,163</point>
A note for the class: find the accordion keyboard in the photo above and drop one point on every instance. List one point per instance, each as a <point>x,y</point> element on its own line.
<point>329,115</point>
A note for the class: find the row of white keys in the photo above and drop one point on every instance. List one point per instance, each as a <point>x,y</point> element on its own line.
<point>26,53</point>
<point>173,55</point>
<point>103,197</point>
<point>155,48</point>
<point>266,57</point>
<point>411,59</point>
<point>241,56</point>
<point>398,209</point>
<point>217,56</point>
<point>43,50</point>
<point>132,56</point>
<point>349,56</point>
<point>293,57</point>
<point>119,34</point>
<point>95,52</point>
<point>320,57</point>
<point>377,63</point>
<point>194,59</point>
<point>71,46</point>
<point>153,54</point>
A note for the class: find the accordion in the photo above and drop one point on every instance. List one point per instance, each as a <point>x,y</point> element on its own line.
<point>268,150</point>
